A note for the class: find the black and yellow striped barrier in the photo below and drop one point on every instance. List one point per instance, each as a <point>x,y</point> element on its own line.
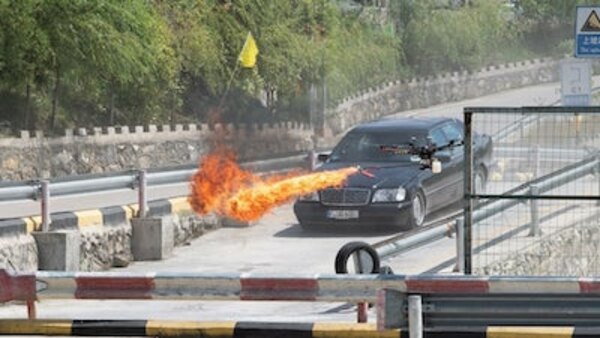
<point>116,215</point>
<point>126,328</point>
<point>198,329</point>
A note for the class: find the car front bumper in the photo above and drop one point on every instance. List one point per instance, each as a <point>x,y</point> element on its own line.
<point>378,214</point>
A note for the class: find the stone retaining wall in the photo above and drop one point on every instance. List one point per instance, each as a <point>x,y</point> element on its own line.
<point>113,149</point>
<point>102,247</point>
<point>403,95</point>
<point>573,251</point>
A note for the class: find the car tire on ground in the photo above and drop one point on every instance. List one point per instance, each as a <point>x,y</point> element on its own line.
<point>349,249</point>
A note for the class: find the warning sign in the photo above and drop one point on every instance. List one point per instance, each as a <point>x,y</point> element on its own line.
<point>592,24</point>
<point>587,32</point>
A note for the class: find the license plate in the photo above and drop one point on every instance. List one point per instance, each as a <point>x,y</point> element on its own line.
<point>342,214</point>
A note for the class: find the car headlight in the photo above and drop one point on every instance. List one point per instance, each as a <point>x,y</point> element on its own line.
<point>389,195</point>
<point>312,197</point>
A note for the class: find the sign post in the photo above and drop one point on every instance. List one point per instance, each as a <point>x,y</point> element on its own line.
<point>576,74</point>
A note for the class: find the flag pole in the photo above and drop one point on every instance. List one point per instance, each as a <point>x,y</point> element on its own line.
<point>237,66</point>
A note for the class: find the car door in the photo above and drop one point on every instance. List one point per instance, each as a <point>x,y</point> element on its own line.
<point>455,167</point>
<point>439,185</point>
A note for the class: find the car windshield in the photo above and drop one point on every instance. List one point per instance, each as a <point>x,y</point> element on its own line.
<point>367,147</point>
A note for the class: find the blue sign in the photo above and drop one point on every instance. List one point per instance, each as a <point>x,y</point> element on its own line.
<point>587,32</point>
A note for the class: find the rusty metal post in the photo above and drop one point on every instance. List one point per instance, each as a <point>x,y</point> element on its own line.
<point>362,315</point>
<point>31,313</point>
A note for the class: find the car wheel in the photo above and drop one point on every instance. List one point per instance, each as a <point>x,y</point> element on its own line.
<point>357,248</point>
<point>418,210</point>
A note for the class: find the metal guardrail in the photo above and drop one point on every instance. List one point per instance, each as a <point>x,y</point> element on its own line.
<point>30,189</point>
<point>43,190</point>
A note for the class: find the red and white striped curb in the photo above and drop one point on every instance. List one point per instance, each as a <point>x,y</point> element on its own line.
<point>343,288</point>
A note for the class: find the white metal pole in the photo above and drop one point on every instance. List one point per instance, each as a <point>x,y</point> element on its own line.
<point>45,204</point>
<point>415,316</point>
<point>142,197</point>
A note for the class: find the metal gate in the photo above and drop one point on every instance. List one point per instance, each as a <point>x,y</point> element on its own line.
<point>536,211</point>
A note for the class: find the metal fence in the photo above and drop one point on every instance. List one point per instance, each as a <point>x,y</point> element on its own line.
<point>538,211</point>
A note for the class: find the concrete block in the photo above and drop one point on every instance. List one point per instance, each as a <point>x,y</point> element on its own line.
<point>58,250</point>
<point>152,238</point>
<point>390,309</point>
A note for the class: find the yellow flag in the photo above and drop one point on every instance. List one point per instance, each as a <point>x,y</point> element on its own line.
<point>249,51</point>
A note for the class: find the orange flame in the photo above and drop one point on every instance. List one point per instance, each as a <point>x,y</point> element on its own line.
<point>221,186</point>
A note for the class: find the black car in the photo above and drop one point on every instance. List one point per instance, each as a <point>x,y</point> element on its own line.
<point>396,185</point>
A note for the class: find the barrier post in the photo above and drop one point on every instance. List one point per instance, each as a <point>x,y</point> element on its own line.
<point>45,204</point>
<point>415,316</point>
<point>534,229</point>
<point>362,308</point>
<point>536,156</point>
<point>460,247</point>
<point>312,159</point>
<point>362,315</point>
<point>142,196</point>
<point>31,313</point>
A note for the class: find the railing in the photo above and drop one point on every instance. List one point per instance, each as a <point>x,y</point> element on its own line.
<point>44,189</point>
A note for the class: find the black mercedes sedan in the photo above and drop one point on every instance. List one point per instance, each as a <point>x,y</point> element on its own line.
<point>394,188</point>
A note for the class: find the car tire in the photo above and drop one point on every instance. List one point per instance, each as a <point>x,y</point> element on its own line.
<point>417,210</point>
<point>341,259</point>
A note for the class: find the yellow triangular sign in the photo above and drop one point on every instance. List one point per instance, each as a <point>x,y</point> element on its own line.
<point>592,24</point>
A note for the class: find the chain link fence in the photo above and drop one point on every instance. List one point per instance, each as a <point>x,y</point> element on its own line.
<point>538,211</point>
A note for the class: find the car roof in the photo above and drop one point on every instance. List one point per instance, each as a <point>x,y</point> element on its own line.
<point>422,124</point>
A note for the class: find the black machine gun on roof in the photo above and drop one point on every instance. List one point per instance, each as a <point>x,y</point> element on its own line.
<point>425,152</point>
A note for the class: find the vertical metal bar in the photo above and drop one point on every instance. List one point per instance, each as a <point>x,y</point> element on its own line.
<point>598,177</point>
<point>45,204</point>
<point>31,313</point>
<point>534,229</point>
<point>415,317</point>
<point>142,197</point>
<point>536,172</point>
<point>460,245</point>
<point>361,307</point>
<point>468,190</point>
<point>362,312</point>
<point>312,159</point>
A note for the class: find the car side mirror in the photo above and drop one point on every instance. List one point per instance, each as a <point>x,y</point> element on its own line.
<point>322,157</point>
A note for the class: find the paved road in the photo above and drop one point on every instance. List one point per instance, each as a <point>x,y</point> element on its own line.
<point>274,245</point>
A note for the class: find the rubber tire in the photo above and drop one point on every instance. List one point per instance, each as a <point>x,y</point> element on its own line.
<point>341,259</point>
<point>412,223</point>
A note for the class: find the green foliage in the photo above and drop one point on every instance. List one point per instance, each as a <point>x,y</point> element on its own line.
<point>104,62</point>
<point>449,39</point>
